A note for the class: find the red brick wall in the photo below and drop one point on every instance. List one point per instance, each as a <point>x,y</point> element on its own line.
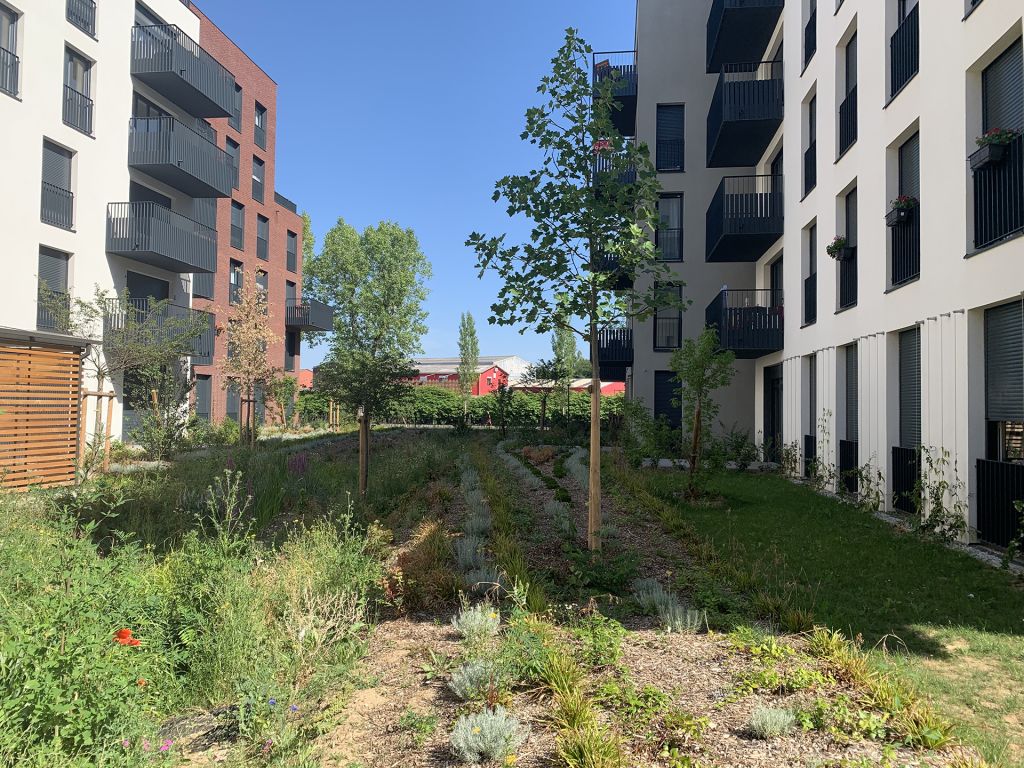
<point>256,86</point>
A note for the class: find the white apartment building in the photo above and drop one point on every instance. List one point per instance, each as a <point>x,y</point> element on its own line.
<point>110,181</point>
<point>849,127</point>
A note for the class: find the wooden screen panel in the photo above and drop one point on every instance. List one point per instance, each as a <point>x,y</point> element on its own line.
<point>40,396</point>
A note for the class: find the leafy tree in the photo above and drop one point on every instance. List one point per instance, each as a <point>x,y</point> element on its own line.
<point>376,281</point>
<point>541,374</point>
<point>469,358</point>
<point>567,362</point>
<point>591,203</point>
<point>701,367</point>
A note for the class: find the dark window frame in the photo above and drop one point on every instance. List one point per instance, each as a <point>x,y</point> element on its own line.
<point>679,318</point>
<point>660,142</point>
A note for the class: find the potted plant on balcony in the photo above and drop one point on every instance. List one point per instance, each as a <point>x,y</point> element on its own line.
<point>992,147</point>
<point>901,210</point>
<point>840,248</point>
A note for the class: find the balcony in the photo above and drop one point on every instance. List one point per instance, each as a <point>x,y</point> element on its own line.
<point>811,299</point>
<point>9,64</point>
<point>737,27</point>
<point>57,206</point>
<point>999,193</point>
<point>82,13</point>
<point>749,322</point>
<point>610,164</point>
<point>848,121</point>
<point>614,353</point>
<point>620,68</point>
<point>745,218</point>
<point>745,113</point>
<point>53,310</point>
<point>175,66</point>
<point>904,51</point>
<point>77,110</point>
<point>154,235</point>
<point>308,315</point>
<point>606,263</point>
<point>141,321</point>
<point>175,154</point>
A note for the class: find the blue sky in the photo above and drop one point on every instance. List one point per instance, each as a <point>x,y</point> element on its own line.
<point>410,111</point>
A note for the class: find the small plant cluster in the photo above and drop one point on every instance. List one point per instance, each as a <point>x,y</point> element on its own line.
<point>522,470</point>
<point>837,248</point>
<point>940,496</point>
<point>904,203</point>
<point>768,723</point>
<point>577,464</point>
<point>998,136</point>
<point>561,514</point>
<point>479,575</point>
<point>654,600</point>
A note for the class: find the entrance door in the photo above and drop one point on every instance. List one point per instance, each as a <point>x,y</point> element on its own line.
<point>773,413</point>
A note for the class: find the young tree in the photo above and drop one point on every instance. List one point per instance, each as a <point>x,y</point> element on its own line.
<point>591,203</point>
<point>249,337</point>
<point>541,374</point>
<point>469,358</point>
<point>376,281</point>
<point>701,367</point>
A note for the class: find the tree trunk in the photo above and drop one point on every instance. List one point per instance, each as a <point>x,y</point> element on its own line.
<point>364,450</point>
<point>543,410</point>
<point>698,418</point>
<point>594,496</point>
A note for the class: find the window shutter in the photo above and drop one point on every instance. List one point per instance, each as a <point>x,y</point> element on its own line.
<point>812,398</point>
<point>910,166</point>
<point>910,388</point>
<point>1004,362</point>
<point>852,425</point>
<point>204,391</point>
<point>666,389</point>
<point>56,166</point>
<point>1003,90</point>
<point>670,137</point>
<point>53,270</point>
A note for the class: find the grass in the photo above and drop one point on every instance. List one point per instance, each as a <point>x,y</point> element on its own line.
<point>951,625</point>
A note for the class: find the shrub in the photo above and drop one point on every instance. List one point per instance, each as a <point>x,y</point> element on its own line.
<point>591,746</point>
<point>491,735</point>
<point>478,623</point>
<point>477,524</point>
<point>476,680</point>
<point>560,673</point>
<point>652,597</point>
<point>469,552</point>
<point>484,581</point>
<point>425,567</point>
<point>601,638</point>
<point>678,618</point>
<point>769,723</point>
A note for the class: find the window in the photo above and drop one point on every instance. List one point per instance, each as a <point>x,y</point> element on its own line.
<point>262,279</point>
<point>235,119</point>
<point>258,174</point>
<point>77,87</point>
<point>811,278</point>
<point>235,278</point>
<point>666,392</point>
<point>58,202</point>
<point>53,300</point>
<point>289,293</point>
<point>292,252</point>
<point>668,322</point>
<point>145,17</point>
<point>811,32</point>
<point>232,148</point>
<point>910,388</point>
<point>1002,90</point>
<point>237,225</point>
<point>1004,381</point>
<point>905,222</point>
<point>143,107</point>
<point>233,406</point>
<point>204,397</point>
<point>259,131</point>
<point>670,138</point>
<point>82,13</point>
<point>9,63</point>
<point>669,236</point>
<point>811,147</point>
<point>847,263</point>
<point>262,237</point>
<point>291,350</point>
<point>852,411</point>
<point>848,106</point>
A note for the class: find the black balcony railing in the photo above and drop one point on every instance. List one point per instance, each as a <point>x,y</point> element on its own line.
<point>737,27</point>
<point>308,315</point>
<point>607,162</point>
<point>202,348</point>
<point>176,66</point>
<point>810,454</point>
<point>149,233</point>
<point>670,243</point>
<point>1000,484</point>
<point>615,347</point>
<point>749,322</point>
<point>906,476</point>
<point>811,36</point>
<point>9,64</point>
<point>810,168</point>
<point>811,299</point>
<point>143,321</point>
<point>284,202</point>
<point>848,279</point>
<point>179,156</point>
<point>849,463</point>
<point>903,48</point>
<point>906,248</point>
<point>668,331</point>
<point>58,206</point>
<point>53,309</point>
<point>82,13</point>
<point>745,217</point>
<point>999,196</point>
<point>619,67</point>
<point>77,110</point>
<point>745,113</point>
<point>848,121</point>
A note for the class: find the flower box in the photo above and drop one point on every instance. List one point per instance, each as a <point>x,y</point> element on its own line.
<point>846,253</point>
<point>897,217</point>
<point>988,155</point>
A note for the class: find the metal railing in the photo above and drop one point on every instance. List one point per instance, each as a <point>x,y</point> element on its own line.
<point>848,280</point>
<point>308,314</point>
<point>716,17</point>
<point>77,110</point>
<point>904,50</point>
<point>618,66</point>
<point>606,162</point>
<point>906,476</point>
<point>811,299</point>
<point>748,320</point>
<point>50,317</point>
<point>9,65</point>
<point>849,464</point>
<point>285,203</point>
<point>1000,484</point>
<point>746,205</point>
<point>810,454</point>
<point>165,141</point>
<point>669,242</point>
<point>848,121</point>
<point>999,196</point>
<point>166,50</point>
<point>810,167</point>
<point>57,206</point>
<point>668,331</point>
<point>811,36</point>
<point>906,249</point>
<point>142,321</point>
<point>751,91</point>
<point>144,228</point>
<point>82,13</point>
<point>615,346</point>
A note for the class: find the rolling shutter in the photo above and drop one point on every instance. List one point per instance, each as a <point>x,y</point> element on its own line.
<point>1004,362</point>
<point>56,166</point>
<point>910,388</point>
<point>910,166</point>
<point>53,270</point>
<point>1003,90</point>
<point>670,137</point>
<point>666,389</point>
<point>852,425</point>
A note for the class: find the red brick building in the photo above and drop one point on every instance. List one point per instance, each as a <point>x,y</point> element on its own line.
<point>445,374</point>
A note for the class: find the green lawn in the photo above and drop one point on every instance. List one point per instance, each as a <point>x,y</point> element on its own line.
<point>951,624</point>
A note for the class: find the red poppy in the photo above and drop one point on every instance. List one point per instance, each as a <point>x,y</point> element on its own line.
<point>124,637</point>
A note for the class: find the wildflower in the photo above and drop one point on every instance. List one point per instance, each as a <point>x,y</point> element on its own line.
<point>511,760</point>
<point>145,745</point>
<point>166,745</point>
<point>126,743</point>
<point>476,729</point>
<point>293,708</point>
<point>272,702</point>
<point>124,637</point>
<point>267,746</point>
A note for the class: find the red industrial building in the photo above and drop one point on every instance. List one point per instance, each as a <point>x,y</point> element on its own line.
<point>446,374</point>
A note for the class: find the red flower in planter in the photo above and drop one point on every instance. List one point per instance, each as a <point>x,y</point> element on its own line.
<point>124,637</point>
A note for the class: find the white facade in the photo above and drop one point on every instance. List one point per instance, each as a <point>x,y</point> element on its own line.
<point>942,104</point>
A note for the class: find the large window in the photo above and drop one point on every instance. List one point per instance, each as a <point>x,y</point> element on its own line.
<point>671,137</point>
<point>258,176</point>
<point>262,237</point>
<point>292,252</point>
<point>77,90</point>
<point>811,146</point>
<point>58,202</point>
<point>847,261</point>
<point>260,128</point>
<point>669,237</point>
<point>9,63</point>
<point>235,151</point>
<point>852,395</point>
<point>910,388</point>
<point>906,231</point>
<point>237,225</point>
<point>235,278</point>
<point>1004,382</point>
<point>204,397</point>
<point>668,322</point>
<point>811,277</point>
<point>1002,85</point>
<point>54,303</point>
<point>291,350</point>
